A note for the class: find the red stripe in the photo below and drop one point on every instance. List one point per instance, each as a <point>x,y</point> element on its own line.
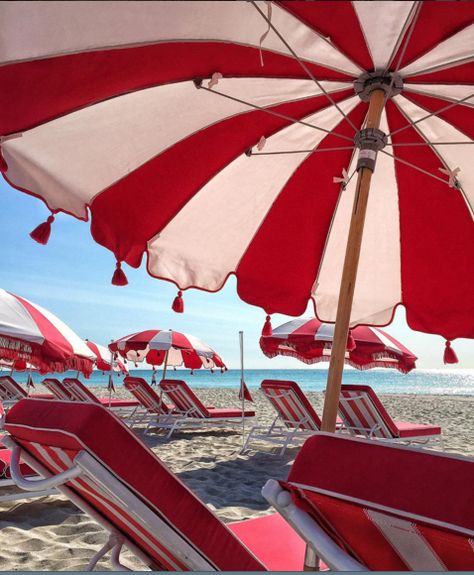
<point>279,267</point>
<point>461,74</point>
<point>67,83</point>
<point>436,22</point>
<point>338,22</point>
<point>182,170</point>
<point>437,235</point>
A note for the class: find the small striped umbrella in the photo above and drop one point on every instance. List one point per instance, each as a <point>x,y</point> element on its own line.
<point>103,358</point>
<point>310,341</point>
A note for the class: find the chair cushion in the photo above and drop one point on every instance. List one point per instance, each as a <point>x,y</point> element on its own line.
<point>225,412</point>
<point>70,427</point>
<point>407,429</point>
<point>116,402</point>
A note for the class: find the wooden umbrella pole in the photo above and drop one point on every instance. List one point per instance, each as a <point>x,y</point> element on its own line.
<point>165,366</point>
<point>349,275</point>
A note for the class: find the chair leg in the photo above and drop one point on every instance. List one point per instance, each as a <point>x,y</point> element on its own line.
<point>109,544</point>
<point>311,560</point>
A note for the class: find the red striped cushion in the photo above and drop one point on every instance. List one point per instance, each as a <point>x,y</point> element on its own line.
<point>64,428</point>
<point>364,477</point>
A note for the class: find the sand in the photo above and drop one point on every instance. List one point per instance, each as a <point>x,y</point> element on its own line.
<point>52,534</point>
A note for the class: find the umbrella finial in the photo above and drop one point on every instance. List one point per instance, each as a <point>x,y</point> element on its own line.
<point>42,232</point>
<point>449,354</point>
<point>178,303</point>
<point>119,278</point>
<point>267,327</point>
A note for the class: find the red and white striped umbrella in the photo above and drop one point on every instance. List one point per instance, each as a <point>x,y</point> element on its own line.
<point>103,358</point>
<point>177,349</point>
<point>30,334</point>
<point>310,341</point>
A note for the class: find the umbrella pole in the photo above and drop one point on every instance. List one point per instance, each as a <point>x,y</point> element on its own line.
<point>111,377</point>
<point>165,365</point>
<point>349,275</point>
<point>241,341</point>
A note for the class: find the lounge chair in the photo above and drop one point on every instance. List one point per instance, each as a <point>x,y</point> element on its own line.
<point>107,471</point>
<point>11,391</point>
<point>187,404</point>
<point>295,418</point>
<point>363,414</point>
<point>56,387</point>
<point>370,505</point>
<point>79,392</point>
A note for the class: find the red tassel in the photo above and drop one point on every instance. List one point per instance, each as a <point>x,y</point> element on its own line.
<point>267,327</point>
<point>119,278</point>
<point>449,354</point>
<point>351,344</point>
<point>178,303</point>
<point>42,232</point>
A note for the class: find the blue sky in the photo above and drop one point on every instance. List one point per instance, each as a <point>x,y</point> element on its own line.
<point>71,277</point>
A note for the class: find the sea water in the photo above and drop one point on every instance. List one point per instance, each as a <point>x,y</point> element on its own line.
<point>419,381</point>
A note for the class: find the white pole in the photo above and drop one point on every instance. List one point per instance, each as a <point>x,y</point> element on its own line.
<point>242,382</point>
<point>111,378</point>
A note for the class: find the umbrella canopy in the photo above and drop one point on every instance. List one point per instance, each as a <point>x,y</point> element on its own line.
<point>310,341</point>
<point>30,334</point>
<point>156,346</point>
<point>103,358</point>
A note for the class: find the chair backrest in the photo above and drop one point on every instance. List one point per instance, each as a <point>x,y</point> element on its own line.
<point>57,388</point>
<point>362,412</point>
<point>391,507</point>
<point>126,487</point>
<point>184,398</point>
<point>146,395</point>
<point>78,391</point>
<point>10,390</point>
<point>291,404</point>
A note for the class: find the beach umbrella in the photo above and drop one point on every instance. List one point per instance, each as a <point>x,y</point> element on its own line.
<point>32,336</point>
<point>221,138</point>
<point>104,358</point>
<point>168,348</point>
<point>310,341</point>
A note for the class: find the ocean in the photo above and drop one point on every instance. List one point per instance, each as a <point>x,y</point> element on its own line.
<point>433,381</point>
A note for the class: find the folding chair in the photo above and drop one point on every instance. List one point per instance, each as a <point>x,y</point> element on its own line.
<point>369,505</point>
<point>363,414</point>
<point>107,471</point>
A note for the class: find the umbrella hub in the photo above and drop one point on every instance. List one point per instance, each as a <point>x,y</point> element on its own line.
<point>369,141</point>
<point>366,83</point>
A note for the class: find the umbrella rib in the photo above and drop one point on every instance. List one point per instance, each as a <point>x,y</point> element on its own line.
<point>444,109</point>
<point>410,26</point>
<point>312,151</point>
<point>277,114</point>
<point>413,166</point>
<point>303,65</point>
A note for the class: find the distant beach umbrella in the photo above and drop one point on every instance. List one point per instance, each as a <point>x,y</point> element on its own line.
<point>103,358</point>
<point>310,341</point>
<point>168,348</point>
<point>244,138</point>
<point>32,336</point>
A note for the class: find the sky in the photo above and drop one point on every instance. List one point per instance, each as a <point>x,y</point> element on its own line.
<point>71,277</point>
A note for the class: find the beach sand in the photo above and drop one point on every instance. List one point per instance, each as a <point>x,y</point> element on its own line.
<point>52,534</point>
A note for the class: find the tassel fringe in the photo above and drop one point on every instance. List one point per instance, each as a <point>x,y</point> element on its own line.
<point>267,329</point>
<point>449,354</point>
<point>42,232</point>
<point>119,278</point>
<point>178,303</point>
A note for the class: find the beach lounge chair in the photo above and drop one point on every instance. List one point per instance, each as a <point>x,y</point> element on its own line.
<point>370,505</point>
<point>79,392</point>
<point>11,391</point>
<point>96,461</point>
<point>295,418</point>
<point>363,414</point>
<point>188,404</point>
<point>56,387</point>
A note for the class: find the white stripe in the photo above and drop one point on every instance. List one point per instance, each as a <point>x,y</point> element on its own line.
<point>325,332</point>
<point>199,248</point>
<point>88,150</point>
<point>16,320</point>
<point>385,341</point>
<point>407,541</point>
<point>40,29</point>
<point>161,341</point>
<point>435,130</point>
<point>382,22</point>
<point>447,91</point>
<point>378,285</point>
<point>286,329</point>
<point>455,49</point>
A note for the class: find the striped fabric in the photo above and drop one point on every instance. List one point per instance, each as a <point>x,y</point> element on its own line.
<point>391,507</point>
<point>291,404</point>
<point>364,414</point>
<point>10,390</point>
<point>80,392</point>
<point>103,358</point>
<point>156,345</point>
<point>225,133</point>
<point>146,395</point>
<point>30,333</point>
<point>310,341</point>
<point>58,389</point>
